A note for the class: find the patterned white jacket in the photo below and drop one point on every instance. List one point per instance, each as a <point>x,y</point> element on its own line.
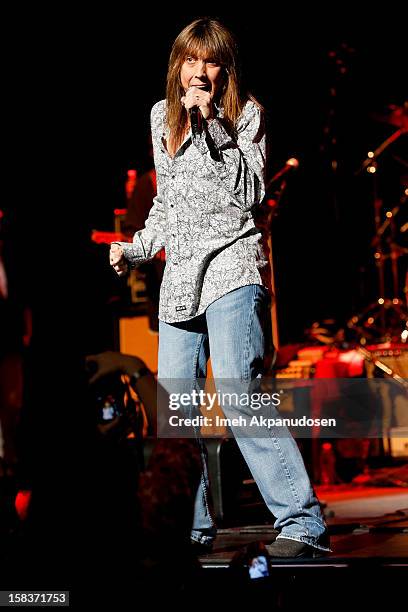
<point>205,213</point>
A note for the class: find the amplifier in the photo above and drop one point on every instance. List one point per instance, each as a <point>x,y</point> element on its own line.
<point>236,497</point>
<point>398,441</point>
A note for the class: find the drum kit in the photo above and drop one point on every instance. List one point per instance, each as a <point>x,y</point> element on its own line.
<point>386,319</point>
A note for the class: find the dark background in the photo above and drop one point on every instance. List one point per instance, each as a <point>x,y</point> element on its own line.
<point>83,90</point>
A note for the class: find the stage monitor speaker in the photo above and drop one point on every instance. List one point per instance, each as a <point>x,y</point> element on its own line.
<point>236,497</point>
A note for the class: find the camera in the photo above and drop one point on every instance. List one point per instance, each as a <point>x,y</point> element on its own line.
<point>258,567</point>
<point>108,398</point>
<point>251,561</point>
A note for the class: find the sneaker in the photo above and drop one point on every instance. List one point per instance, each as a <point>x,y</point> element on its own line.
<point>291,549</point>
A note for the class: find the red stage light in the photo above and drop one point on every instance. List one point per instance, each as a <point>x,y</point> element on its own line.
<point>22,503</point>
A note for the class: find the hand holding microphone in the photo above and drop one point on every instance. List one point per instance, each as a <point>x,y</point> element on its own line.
<point>198,103</point>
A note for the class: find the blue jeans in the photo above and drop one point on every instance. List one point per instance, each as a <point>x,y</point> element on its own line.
<point>232,332</point>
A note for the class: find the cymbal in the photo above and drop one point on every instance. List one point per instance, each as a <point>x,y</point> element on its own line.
<point>395,115</point>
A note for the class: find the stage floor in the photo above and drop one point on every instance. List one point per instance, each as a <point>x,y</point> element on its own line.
<point>367,524</point>
<point>346,501</point>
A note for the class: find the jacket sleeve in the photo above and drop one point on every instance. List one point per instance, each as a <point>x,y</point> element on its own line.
<point>151,239</point>
<point>239,165</point>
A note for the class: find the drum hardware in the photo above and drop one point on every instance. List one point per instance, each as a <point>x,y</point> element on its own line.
<point>386,318</point>
<point>370,356</point>
<point>395,115</point>
<point>369,163</point>
<point>390,360</point>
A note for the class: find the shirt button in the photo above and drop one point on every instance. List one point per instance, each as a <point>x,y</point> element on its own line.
<point>172,205</point>
<point>174,235</point>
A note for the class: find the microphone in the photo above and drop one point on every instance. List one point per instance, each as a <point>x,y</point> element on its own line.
<point>195,120</point>
<point>291,164</point>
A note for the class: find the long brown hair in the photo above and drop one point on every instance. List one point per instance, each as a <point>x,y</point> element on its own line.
<point>203,37</point>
